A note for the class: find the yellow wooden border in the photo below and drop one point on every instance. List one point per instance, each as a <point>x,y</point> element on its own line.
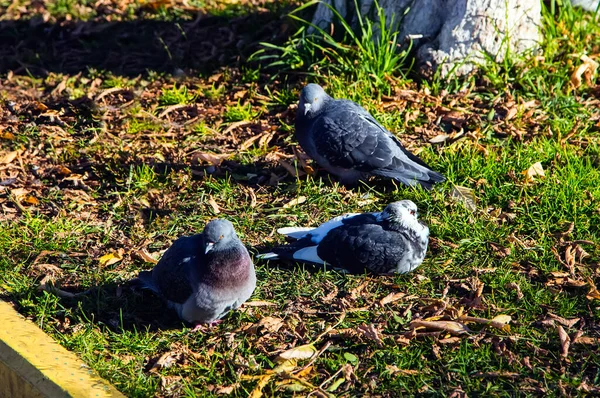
<point>33,365</point>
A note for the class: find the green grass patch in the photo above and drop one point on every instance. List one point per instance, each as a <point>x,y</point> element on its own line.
<point>97,185</point>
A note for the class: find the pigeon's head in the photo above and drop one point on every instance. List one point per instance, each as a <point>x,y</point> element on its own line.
<point>405,213</point>
<point>401,210</point>
<point>218,233</point>
<point>312,99</point>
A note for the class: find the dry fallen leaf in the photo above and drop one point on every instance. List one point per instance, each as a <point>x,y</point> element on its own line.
<point>535,170</point>
<point>499,250</point>
<point>8,157</point>
<point>390,298</point>
<point>286,366</point>
<point>587,340</point>
<point>294,202</point>
<point>565,281</point>
<point>63,171</point>
<point>240,94</point>
<point>213,204</point>
<point>31,200</point>
<point>250,141</point>
<point>587,69</point>
<point>394,370</point>
<point>268,324</point>
<point>570,257</point>
<point>370,332</point>
<point>499,321</point>
<point>465,196</point>
<point>301,352</point>
<point>145,255</point>
<point>212,158</point>
<point>111,258</point>
<point>494,375</point>
<point>512,112</point>
<point>451,327</point>
<point>514,286</point>
<point>5,135</point>
<point>593,294</point>
<point>450,340</point>
<point>167,360</point>
<point>259,303</point>
<point>440,138</point>
<point>226,390</point>
<point>565,341</point>
<point>563,321</point>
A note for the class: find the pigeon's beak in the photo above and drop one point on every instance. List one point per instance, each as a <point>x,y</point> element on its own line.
<point>306,108</point>
<point>209,247</point>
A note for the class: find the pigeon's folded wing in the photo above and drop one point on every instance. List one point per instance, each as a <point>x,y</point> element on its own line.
<point>362,247</point>
<point>172,273</point>
<point>348,140</point>
<point>348,137</point>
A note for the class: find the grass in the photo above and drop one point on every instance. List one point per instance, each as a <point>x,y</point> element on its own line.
<point>369,57</point>
<point>104,174</point>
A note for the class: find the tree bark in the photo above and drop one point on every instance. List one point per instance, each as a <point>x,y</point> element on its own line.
<point>451,36</point>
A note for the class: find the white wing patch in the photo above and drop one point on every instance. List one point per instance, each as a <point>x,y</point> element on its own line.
<point>317,234</point>
<point>308,254</point>
<point>294,232</point>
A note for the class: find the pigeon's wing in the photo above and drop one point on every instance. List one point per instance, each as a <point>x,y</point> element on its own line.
<point>362,247</point>
<point>305,247</point>
<point>317,234</point>
<point>348,137</point>
<point>173,272</point>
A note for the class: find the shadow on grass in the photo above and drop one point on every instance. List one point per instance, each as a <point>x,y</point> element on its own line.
<point>131,48</point>
<point>124,307</point>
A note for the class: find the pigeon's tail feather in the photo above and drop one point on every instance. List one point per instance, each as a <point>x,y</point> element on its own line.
<point>301,250</point>
<point>424,177</point>
<point>144,281</point>
<point>268,256</point>
<point>294,232</point>
<point>435,176</point>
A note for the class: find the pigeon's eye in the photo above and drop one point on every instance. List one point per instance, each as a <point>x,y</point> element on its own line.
<point>316,99</point>
<point>412,212</point>
<point>220,237</point>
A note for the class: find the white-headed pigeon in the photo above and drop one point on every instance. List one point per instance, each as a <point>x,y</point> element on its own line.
<point>392,241</point>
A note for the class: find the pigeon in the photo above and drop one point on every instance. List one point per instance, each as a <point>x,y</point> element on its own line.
<point>203,276</point>
<point>345,139</point>
<point>391,241</point>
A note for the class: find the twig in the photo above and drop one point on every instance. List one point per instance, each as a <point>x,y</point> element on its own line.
<point>314,358</point>
<point>331,378</point>
<point>233,126</point>
<point>172,108</point>
<point>14,199</point>
<point>330,328</point>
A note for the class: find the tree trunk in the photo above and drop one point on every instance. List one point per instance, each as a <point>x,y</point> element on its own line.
<point>451,36</point>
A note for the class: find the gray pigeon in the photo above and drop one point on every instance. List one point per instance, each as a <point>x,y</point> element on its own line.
<point>342,137</point>
<point>393,240</point>
<point>204,276</point>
